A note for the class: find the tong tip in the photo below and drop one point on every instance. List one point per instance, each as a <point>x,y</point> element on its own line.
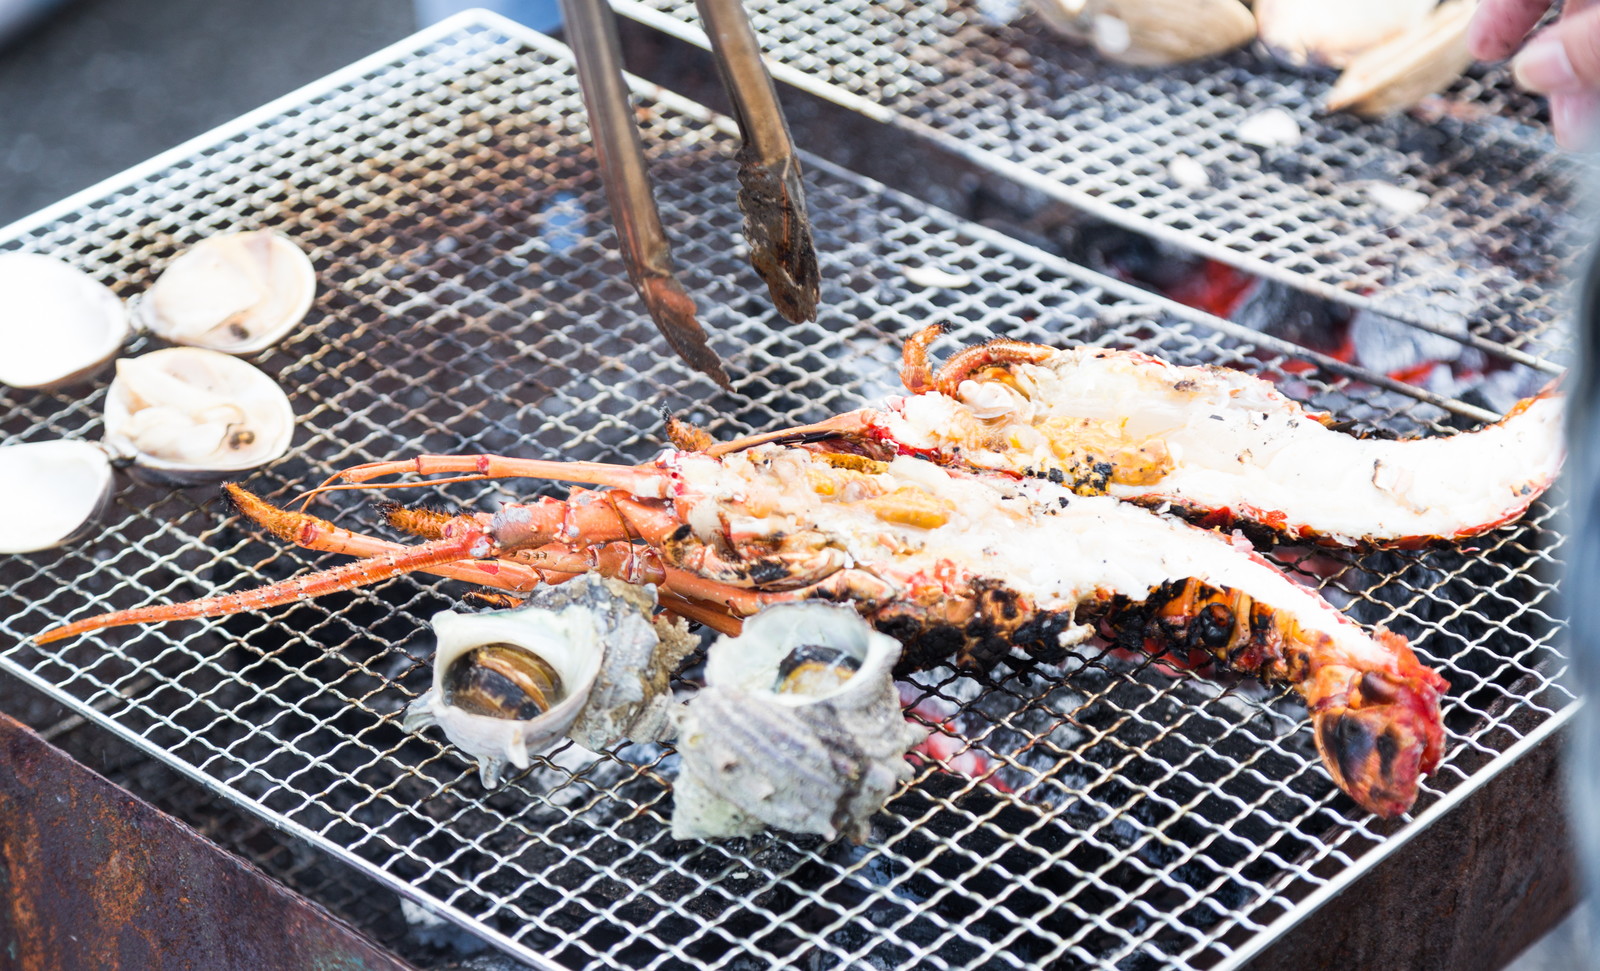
<point>674,313</point>
<point>779,233</point>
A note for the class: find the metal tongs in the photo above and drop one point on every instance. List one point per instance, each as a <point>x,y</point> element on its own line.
<point>770,195</point>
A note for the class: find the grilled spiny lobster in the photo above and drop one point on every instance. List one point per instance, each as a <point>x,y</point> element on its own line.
<point>1016,536</point>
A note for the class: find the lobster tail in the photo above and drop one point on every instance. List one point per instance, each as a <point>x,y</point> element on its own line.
<point>1379,732</point>
<point>1376,720</point>
<point>1379,754</point>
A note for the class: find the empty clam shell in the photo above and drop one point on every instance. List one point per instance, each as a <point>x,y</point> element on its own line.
<point>236,293</point>
<point>1318,32</point>
<point>1421,61</point>
<point>56,322</point>
<point>1151,33</point>
<point>53,490</point>
<point>188,413</point>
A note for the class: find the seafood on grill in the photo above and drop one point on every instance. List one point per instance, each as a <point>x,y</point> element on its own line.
<point>583,661</point>
<point>58,488</point>
<point>187,414</point>
<point>929,555</point>
<point>1305,32</point>
<point>1219,445</point>
<point>798,727</point>
<point>1152,33</point>
<point>237,293</point>
<point>57,323</point>
<point>1395,75</point>
<point>1394,52</point>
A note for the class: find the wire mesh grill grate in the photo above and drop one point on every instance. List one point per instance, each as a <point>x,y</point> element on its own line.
<point>1112,813</point>
<point>1330,209</point>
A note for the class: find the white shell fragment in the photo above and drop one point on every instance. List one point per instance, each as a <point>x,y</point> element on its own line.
<point>236,293</point>
<point>52,490</point>
<point>1270,128</point>
<point>185,410</point>
<point>819,758</point>
<point>1395,199</point>
<point>56,322</point>
<point>614,664</point>
<point>1188,173</point>
<point>934,278</point>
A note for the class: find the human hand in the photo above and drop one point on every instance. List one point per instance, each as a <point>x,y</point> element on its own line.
<point>1562,61</point>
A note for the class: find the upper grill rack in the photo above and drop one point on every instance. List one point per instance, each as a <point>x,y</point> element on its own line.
<point>1128,816</point>
<point>1482,258</point>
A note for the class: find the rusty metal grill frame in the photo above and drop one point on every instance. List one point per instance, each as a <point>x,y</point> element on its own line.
<point>472,300</point>
<point>1482,259</point>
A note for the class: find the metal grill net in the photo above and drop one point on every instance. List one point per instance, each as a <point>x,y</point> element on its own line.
<point>1489,248</point>
<point>1128,814</point>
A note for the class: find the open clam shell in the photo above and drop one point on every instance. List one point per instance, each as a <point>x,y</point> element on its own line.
<point>189,415</point>
<point>1152,33</point>
<point>57,323</point>
<point>1305,32</point>
<point>54,491</point>
<point>1395,75</point>
<point>237,293</point>
<point>799,728</point>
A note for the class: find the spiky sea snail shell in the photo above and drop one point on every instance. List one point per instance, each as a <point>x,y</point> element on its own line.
<point>798,728</point>
<point>582,660</point>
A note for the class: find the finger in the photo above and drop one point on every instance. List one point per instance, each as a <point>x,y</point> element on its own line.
<point>1500,25</point>
<point>1574,116</point>
<point>1565,57</point>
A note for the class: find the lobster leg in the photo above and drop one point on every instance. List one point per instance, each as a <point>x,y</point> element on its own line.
<point>343,577</point>
<point>465,549</point>
<point>586,518</point>
<point>918,378</point>
<point>637,480</point>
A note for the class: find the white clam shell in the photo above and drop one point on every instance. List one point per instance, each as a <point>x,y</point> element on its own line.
<point>754,757</point>
<point>188,414</point>
<point>57,323</point>
<point>1151,33</point>
<point>237,293</point>
<point>53,490</point>
<point>1420,61</point>
<point>1318,32</point>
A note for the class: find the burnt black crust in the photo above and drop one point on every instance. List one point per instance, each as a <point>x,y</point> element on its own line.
<point>1000,620</point>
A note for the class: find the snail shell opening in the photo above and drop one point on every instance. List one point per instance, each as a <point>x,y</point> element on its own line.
<point>502,680</point>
